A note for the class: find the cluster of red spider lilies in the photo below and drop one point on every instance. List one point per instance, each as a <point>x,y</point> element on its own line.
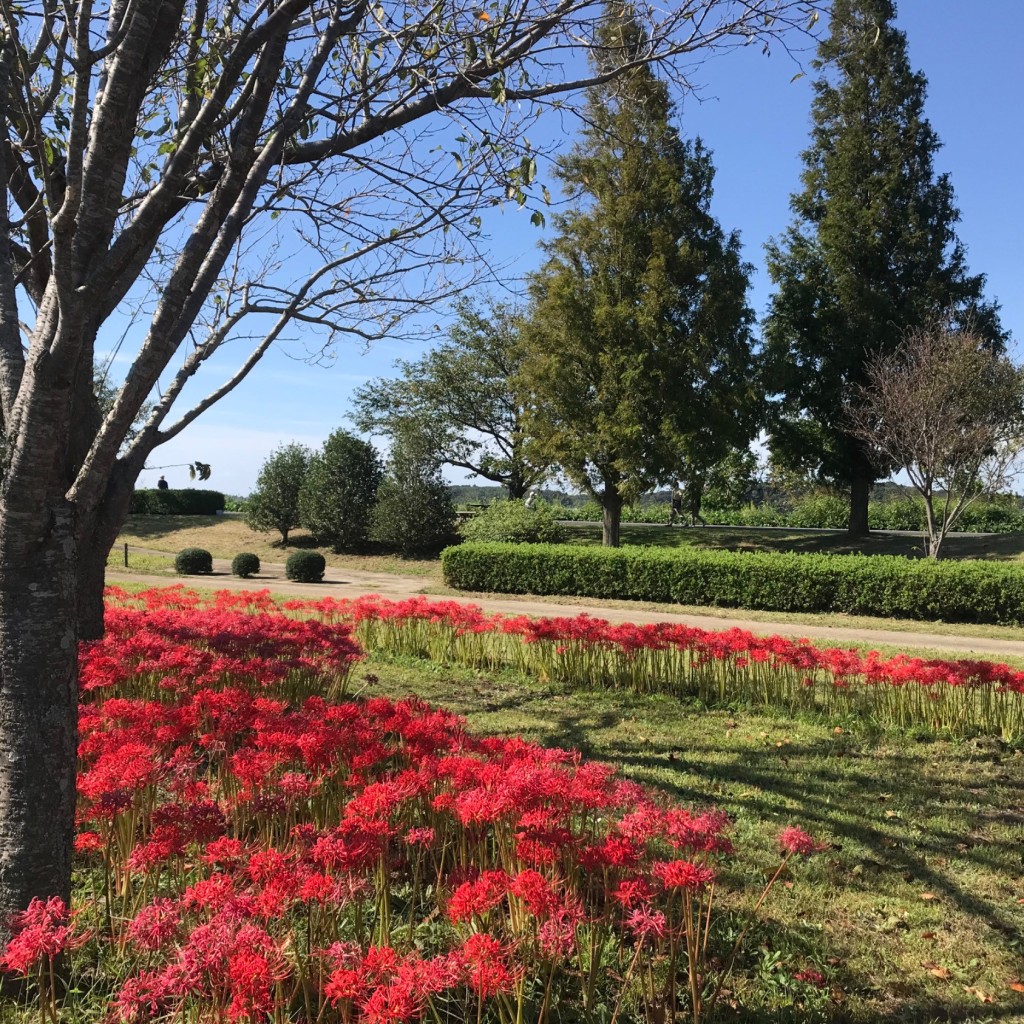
<point>257,845</point>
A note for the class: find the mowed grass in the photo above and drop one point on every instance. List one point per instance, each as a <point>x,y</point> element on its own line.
<point>1004,547</point>
<point>915,912</point>
<point>226,536</point>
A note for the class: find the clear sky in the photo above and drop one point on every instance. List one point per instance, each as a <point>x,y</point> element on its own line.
<point>756,120</point>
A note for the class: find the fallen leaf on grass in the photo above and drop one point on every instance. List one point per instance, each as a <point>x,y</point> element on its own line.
<point>929,896</point>
<point>927,935</point>
<point>983,997</point>
<point>941,972</point>
<point>1016,986</point>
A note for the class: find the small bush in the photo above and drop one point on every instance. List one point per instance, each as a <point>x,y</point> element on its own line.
<point>193,562</point>
<point>245,564</point>
<point>880,585</point>
<point>511,522</point>
<point>305,567</point>
<point>189,501</point>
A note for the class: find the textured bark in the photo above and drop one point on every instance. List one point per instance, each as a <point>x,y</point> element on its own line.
<point>96,535</point>
<point>611,505</point>
<point>38,710</point>
<point>860,492</point>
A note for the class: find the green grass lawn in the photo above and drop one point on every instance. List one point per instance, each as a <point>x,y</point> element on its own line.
<point>997,546</point>
<point>226,536</point>
<point>915,913</point>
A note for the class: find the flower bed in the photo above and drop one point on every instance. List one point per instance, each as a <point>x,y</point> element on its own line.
<point>256,845</point>
<point>961,697</point>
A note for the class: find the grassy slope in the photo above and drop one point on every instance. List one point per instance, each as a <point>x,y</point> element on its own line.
<point>915,912</point>
<point>226,536</point>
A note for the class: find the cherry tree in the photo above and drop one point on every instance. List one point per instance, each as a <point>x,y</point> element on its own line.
<point>195,175</point>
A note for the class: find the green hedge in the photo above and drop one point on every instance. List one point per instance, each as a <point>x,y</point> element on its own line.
<point>880,585</point>
<point>188,501</point>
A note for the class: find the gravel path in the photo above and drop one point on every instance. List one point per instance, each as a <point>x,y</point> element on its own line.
<point>352,583</point>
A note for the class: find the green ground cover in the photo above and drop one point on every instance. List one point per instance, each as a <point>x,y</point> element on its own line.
<point>913,914</point>
<point>997,547</point>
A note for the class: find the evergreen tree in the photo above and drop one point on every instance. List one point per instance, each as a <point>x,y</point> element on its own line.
<point>872,253</point>
<point>639,333</point>
<point>274,504</point>
<point>414,514</point>
<point>340,490</point>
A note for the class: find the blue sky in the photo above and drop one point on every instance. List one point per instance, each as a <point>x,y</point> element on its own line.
<point>756,121</point>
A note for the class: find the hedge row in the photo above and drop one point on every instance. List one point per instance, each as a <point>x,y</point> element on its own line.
<point>188,501</point>
<point>880,585</point>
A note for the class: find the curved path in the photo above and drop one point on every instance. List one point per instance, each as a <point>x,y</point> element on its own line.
<point>347,583</point>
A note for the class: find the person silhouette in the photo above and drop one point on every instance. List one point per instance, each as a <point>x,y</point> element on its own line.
<point>162,484</point>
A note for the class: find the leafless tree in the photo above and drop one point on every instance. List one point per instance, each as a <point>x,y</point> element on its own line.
<point>211,172</point>
<point>949,412</point>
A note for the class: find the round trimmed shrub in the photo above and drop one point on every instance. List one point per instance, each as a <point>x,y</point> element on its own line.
<point>193,562</point>
<point>245,564</point>
<point>305,567</point>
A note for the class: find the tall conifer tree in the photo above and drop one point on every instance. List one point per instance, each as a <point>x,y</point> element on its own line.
<point>639,334</point>
<point>872,253</point>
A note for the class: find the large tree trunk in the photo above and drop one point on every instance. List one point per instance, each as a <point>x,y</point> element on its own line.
<point>97,534</point>
<point>38,707</point>
<point>860,492</point>
<point>611,505</point>
<point>516,487</point>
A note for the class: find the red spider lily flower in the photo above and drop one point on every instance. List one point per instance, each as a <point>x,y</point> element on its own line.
<point>535,891</point>
<point>487,969</point>
<point>796,841</point>
<point>633,892</point>
<point>156,924</point>
<point>89,842</point>
<point>40,933</point>
<point>557,935</point>
<point>683,874</point>
<point>477,897</point>
<point>420,836</point>
<point>646,923</point>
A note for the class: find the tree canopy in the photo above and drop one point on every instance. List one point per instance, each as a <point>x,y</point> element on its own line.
<point>949,413</point>
<point>872,252</point>
<point>457,405</point>
<point>274,502</point>
<point>638,350</point>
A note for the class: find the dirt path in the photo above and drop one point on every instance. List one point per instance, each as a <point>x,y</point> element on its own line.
<point>352,583</point>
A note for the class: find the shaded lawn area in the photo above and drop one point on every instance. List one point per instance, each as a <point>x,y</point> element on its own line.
<point>915,911</point>
<point>996,546</point>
